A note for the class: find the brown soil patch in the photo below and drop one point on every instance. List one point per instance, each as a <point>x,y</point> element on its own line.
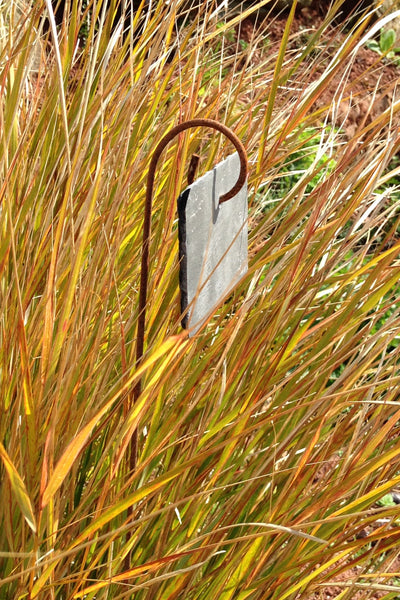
<point>330,592</point>
<point>362,92</point>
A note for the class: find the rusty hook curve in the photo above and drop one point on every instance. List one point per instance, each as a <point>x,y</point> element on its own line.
<point>144,272</point>
<point>168,137</point>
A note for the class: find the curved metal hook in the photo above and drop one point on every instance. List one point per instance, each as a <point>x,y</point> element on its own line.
<point>189,125</point>
<point>144,273</point>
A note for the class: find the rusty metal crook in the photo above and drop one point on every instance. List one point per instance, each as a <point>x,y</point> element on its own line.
<point>144,273</point>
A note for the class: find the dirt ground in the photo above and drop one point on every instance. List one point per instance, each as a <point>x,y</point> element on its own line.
<point>371,81</point>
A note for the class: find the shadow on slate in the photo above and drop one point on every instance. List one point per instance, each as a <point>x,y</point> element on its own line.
<point>212,242</point>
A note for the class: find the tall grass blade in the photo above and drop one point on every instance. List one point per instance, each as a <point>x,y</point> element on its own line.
<point>19,489</point>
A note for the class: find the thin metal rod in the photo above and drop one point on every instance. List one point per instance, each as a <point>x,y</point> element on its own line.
<point>194,163</point>
<point>144,272</point>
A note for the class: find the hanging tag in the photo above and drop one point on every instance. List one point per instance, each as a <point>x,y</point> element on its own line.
<point>212,241</point>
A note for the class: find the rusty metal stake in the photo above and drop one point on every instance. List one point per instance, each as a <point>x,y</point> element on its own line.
<point>144,273</point>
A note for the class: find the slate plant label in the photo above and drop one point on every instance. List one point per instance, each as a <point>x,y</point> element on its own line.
<point>212,241</point>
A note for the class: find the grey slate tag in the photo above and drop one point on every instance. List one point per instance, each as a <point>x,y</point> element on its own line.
<point>212,241</point>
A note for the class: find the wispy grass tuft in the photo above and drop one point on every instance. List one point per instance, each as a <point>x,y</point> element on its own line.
<point>266,442</point>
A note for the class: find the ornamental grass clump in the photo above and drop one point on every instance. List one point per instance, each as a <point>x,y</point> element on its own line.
<point>266,442</point>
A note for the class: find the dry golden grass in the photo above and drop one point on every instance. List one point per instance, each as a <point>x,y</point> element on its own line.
<point>266,441</point>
